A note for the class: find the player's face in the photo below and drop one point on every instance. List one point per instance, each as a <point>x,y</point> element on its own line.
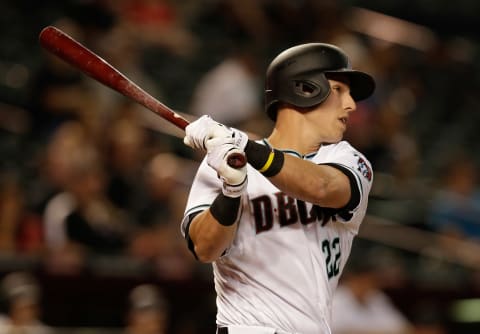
<point>331,116</point>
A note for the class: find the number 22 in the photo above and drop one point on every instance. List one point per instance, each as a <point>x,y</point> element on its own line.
<point>332,262</point>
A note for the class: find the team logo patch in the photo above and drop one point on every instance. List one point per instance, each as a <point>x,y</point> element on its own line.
<point>363,168</point>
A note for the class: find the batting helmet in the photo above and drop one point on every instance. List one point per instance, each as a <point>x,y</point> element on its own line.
<point>298,76</point>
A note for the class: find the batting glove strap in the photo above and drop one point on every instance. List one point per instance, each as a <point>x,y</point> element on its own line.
<point>235,190</point>
<point>218,151</point>
<point>239,138</point>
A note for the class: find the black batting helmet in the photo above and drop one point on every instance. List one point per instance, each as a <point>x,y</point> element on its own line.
<point>298,76</point>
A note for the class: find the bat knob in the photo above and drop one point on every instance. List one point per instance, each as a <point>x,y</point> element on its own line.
<point>237,160</point>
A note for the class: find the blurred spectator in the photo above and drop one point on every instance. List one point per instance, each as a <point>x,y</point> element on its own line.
<point>148,311</point>
<point>121,47</point>
<point>155,23</point>
<point>95,222</point>
<point>282,21</point>
<point>126,152</point>
<point>360,306</point>
<point>15,125</point>
<point>162,190</point>
<point>393,149</point>
<point>21,293</point>
<point>398,192</point>
<point>229,91</point>
<point>455,207</point>
<point>79,217</point>
<point>20,229</point>
<point>59,92</point>
<point>157,238</point>
<point>56,168</point>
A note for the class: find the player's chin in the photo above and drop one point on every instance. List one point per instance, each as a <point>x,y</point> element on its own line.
<point>335,138</point>
<point>335,133</point>
<point>338,134</point>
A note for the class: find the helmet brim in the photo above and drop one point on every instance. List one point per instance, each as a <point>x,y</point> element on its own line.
<point>362,85</point>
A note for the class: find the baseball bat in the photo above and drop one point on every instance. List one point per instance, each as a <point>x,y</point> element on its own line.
<point>68,49</point>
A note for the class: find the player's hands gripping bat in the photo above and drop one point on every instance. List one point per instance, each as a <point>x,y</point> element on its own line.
<point>60,44</point>
<point>198,133</point>
<point>234,180</point>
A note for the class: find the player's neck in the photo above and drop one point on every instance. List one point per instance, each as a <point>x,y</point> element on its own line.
<point>293,131</point>
<point>284,139</point>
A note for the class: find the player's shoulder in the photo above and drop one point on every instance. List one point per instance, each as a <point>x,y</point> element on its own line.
<point>342,147</point>
<point>343,153</point>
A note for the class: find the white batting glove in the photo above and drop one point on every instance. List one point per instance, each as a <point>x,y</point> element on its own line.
<point>239,138</point>
<point>205,128</point>
<point>234,179</point>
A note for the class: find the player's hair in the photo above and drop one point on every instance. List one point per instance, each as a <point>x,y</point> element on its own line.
<point>298,76</point>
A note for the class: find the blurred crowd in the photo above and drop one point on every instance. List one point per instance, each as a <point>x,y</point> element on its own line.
<point>87,174</point>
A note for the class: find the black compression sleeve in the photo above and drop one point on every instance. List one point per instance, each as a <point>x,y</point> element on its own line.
<point>225,209</point>
<point>257,154</point>
<point>268,161</point>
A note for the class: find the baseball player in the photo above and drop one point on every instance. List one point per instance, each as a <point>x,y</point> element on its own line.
<point>278,231</point>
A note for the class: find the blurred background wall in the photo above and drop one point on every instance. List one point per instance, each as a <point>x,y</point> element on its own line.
<point>92,186</point>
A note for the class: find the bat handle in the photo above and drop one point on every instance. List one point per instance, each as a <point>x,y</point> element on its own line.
<point>237,160</point>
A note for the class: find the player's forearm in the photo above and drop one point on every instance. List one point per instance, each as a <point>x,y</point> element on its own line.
<point>302,179</point>
<point>210,238</point>
<point>318,184</point>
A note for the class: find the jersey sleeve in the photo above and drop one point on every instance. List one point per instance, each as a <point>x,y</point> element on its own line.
<point>205,188</point>
<point>358,170</point>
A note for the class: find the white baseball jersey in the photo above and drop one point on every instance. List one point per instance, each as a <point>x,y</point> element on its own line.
<point>283,266</point>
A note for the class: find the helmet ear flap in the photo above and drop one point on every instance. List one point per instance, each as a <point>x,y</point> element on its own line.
<point>305,89</point>
<point>310,91</point>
